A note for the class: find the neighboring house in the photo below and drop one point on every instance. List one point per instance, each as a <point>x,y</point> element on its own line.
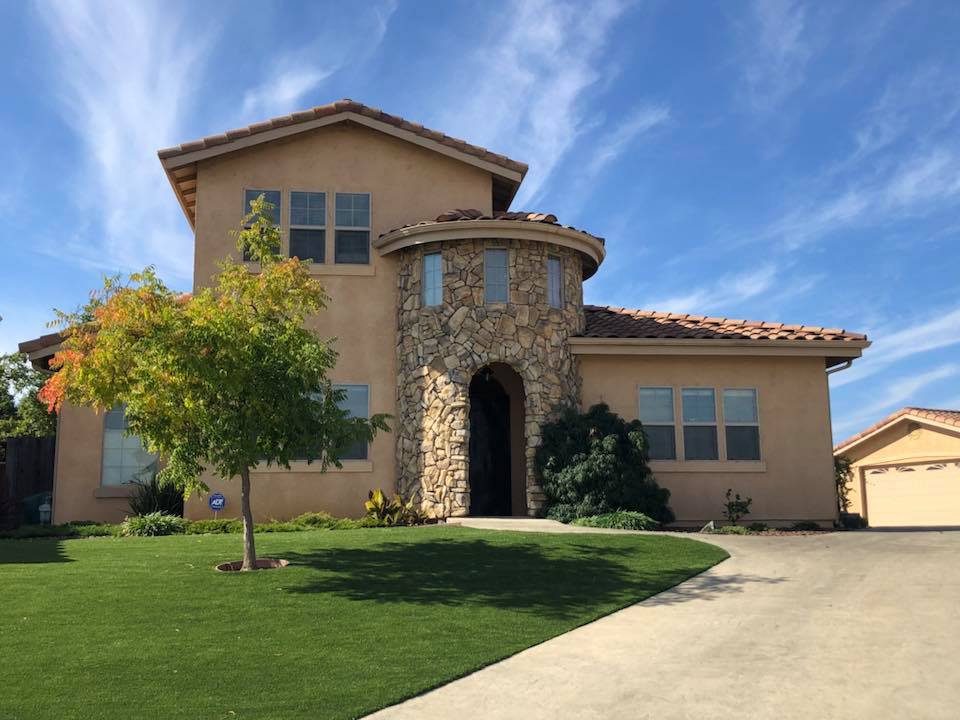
<point>469,328</point>
<point>906,469</point>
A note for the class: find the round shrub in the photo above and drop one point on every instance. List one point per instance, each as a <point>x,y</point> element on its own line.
<point>620,520</point>
<point>151,524</point>
<point>595,463</point>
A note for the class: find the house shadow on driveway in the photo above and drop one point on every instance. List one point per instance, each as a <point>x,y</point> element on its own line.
<point>561,581</point>
<point>34,551</point>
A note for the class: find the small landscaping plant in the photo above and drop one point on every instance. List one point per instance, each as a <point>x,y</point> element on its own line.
<point>219,526</point>
<point>151,524</point>
<point>735,507</point>
<point>154,496</point>
<point>805,525</point>
<point>595,463</point>
<point>619,520</point>
<point>395,511</point>
<point>758,527</point>
<point>842,475</point>
<point>77,529</point>
<point>734,530</point>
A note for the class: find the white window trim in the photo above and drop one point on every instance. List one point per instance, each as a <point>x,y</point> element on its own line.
<point>721,450</point>
<point>756,395</point>
<point>673,405</point>
<point>506,267</point>
<point>291,226</point>
<point>559,305</point>
<point>423,278</point>
<point>368,228</point>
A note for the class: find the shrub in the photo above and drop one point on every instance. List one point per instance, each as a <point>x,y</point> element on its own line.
<point>152,496</point>
<point>214,527</point>
<point>396,511</point>
<point>325,521</point>
<point>758,527</point>
<point>619,520</point>
<point>842,475</point>
<point>278,526</point>
<point>79,529</point>
<point>734,530</point>
<point>805,525</point>
<point>595,463</point>
<point>96,530</point>
<point>736,507</point>
<point>155,523</point>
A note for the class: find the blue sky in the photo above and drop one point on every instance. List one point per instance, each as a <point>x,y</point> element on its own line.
<point>765,160</point>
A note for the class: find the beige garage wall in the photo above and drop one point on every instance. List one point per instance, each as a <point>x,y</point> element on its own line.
<point>794,478</point>
<point>904,442</point>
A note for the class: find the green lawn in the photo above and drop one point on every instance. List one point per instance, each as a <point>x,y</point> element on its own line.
<point>144,628</point>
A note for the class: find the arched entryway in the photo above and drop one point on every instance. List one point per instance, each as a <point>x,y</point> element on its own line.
<point>497,443</point>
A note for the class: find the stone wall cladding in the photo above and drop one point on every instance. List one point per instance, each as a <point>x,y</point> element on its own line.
<point>440,348</point>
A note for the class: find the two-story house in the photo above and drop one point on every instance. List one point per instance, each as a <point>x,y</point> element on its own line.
<point>466,323</point>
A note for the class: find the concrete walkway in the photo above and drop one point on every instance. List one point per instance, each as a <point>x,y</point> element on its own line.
<point>863,625</point>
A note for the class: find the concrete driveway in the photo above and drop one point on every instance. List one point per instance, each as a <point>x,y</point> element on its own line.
<point>859,625</point>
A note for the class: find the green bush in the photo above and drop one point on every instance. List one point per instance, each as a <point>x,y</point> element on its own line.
<point>595,463</point>
<point>152,496</point>
<point>736,507</point>
<point>805,525</point>
<point>324,521</point>
<point>82,528</point>
<point>151,524</point>
<point>734,530</point>
<point>214,527</point>
<point>758,527</point>
<point>619,520</point>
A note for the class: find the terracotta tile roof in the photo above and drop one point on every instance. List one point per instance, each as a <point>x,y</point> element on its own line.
<point>341,106</point>
<point>470,214</point>
<point>946,417</point>
<point>614,322</point>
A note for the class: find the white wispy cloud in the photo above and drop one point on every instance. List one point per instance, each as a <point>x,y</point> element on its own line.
<point>282,91</point>
<point>894,395</point>
<point>777,51</point>
<point>528,81</point>
<point>936,331</point>
<point>123,74</point>
<point>296,72</point>
<point>727,292</point>
<point>612,146</point>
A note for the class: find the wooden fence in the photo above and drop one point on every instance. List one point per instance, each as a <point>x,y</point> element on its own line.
<point>26,475</point>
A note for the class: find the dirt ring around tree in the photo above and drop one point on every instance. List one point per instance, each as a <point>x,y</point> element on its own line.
<point>261,564</point>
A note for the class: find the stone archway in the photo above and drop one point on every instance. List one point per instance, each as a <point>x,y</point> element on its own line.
<point>497,448</point>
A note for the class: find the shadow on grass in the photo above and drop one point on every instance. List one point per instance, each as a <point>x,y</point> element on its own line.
<point>560,581</point>
<point>34,551</point>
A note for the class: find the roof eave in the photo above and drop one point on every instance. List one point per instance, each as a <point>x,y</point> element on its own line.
<point>834,352</point>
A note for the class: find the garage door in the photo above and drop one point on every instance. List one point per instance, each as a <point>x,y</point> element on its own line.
<point>913,495</point>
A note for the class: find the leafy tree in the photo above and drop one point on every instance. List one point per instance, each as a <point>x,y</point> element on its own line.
<point>735,507</point>
<point>225,379</point>
<point>26,416</point>
<point>594,463</point>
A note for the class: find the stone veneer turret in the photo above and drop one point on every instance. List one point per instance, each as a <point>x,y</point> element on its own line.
<point>440,349</point>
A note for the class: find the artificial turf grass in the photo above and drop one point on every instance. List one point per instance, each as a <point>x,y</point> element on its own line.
<point>144,628</point>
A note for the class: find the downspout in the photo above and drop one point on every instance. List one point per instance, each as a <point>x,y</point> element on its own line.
<point>842,366</point>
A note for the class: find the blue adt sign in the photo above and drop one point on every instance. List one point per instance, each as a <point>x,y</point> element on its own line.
<point>217,502</point>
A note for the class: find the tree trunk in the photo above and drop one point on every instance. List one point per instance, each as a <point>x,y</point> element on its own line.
<point>249,549</point>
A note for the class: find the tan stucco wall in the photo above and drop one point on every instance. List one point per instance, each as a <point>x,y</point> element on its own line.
<point>406,183</point>
<point>899,444</point>
<point>794,478</point>
<point>76,483</point>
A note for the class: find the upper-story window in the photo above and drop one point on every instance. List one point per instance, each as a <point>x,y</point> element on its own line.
<point>554,281</point>
<point>308,221</point>
<point>495,275</point>
<point>741,423</point>
<point>352,230</point>
<point>699,424</point>
<point>432,279</point>
<point>125,460</point>
<point>270,196</point>
<point>659,425</point>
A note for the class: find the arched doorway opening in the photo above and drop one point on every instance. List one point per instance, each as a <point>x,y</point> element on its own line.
<point>497,443</point>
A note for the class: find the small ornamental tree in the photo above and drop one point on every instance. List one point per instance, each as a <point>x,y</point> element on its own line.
<point>594,463</point>
<point>842,475</point>
<point>225,379</point>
